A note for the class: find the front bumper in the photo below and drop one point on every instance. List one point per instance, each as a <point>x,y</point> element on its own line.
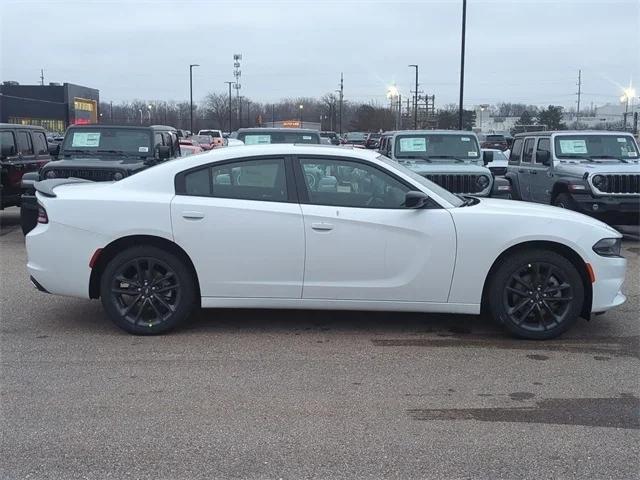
<point>607,289</point>
<point>610,209</point>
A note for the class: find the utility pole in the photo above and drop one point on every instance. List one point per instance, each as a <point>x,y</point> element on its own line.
<point>229,83</point>
<point>42,76</point>
<point>579,92</point>
<point>464,28</point>
<point>248,114</point>
<point>111,111</point>
<point>190,96</point>
<point>341,99</point>
<point>415,101</point>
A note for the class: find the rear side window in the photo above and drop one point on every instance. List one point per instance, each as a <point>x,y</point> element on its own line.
<point>40,143</point>
<point>7,143</point>
<point>24,143</point>
<point>527,152</point>
<point>262,180</point>
<point>516,151</point>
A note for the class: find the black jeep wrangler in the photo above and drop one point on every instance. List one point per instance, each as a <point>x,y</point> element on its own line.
<point>101,153</point>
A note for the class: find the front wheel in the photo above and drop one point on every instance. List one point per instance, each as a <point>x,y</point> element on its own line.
<point>146,290</point>
<point>536,294</point>
<point>564,200</point>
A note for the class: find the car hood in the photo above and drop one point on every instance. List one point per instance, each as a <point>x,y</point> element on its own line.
<point>579,169</point>
<point>442,167</point>
<point>96,162</point>
<point>528,210</point>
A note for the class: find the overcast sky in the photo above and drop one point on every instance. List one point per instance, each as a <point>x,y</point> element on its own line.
<point>519,51</point>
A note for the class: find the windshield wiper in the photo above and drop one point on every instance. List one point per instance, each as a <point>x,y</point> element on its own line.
<point>413,157</point>
<point>453,157</point>
<point>81,152</point>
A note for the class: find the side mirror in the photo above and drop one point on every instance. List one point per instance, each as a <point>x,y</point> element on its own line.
<point>543,157</point>
<point>415,199</point>
<point>54,149</point>
<point>487,157</point>
<point>164,152</point>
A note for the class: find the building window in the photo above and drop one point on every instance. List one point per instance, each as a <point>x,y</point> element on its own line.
<point>47,123</point>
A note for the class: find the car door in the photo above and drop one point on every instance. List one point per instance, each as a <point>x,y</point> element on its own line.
<point>362,244</point>
<point>541,179</point>
<point>240,223</point>
<point>524,170</point>
<point>41,151</point>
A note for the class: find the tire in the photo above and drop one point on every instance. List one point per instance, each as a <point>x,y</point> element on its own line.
<point>164,302</point>
<point>564,200</point>
<point>527,311</point>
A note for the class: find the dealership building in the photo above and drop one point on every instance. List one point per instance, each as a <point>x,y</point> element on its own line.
<point>52,106</point>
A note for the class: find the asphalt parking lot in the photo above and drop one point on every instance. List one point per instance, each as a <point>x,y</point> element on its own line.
<point>293,394</point>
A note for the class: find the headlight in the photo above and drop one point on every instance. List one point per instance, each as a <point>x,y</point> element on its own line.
<point>482,181</point>
<point>50,174</point>
<point>608,247</point>
<point>599,181</point>
<point>118,176</point>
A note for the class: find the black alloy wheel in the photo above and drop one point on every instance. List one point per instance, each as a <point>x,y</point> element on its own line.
<point>537,294</point>
<point>146,290</point>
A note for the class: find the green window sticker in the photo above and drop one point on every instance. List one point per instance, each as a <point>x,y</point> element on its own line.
<point>413,144</point>
<point>257,139</point>
<point>578,146</point>
<point>85,139</point>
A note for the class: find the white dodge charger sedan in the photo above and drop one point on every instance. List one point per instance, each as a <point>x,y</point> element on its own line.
<point>317,227</point>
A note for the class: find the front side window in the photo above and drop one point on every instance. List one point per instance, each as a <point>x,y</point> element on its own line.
<point>24,143</point>
<point>543,146</point>
<point>527,153</point>
<point>350,184</point>
<point>7,143</point>
<point>516,151</point>
<point>262,180</point>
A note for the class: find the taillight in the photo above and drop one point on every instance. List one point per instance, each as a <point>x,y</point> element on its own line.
<point>42,215</point>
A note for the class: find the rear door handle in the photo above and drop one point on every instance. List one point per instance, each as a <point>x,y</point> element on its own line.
<point>192,215</point>
<point>322,226</point>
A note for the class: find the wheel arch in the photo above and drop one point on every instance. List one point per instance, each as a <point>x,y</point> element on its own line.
<point>117,246</point>
<point>558,188</point>
<point>567,252</point>
<point>515,185</point>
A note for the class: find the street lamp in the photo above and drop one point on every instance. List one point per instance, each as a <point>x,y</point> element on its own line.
<point>628,93</point>
<point>191,94</point>
<point>149,112</point>
<point>301,107</point>
<point>229,83</point>
<point>140,110</point>
<point>482,109</point>
<point>393,93</point>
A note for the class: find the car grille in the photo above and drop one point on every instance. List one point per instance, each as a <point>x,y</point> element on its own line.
<point>620,184</point>
<point>95,174</point>
<point>456,183</point>
<point>498,170</point>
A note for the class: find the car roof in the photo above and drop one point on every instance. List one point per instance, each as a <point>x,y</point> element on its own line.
<point>269,129</point>
<point>548,133</point>
<point>431,132</point>
<point>128,127</point>
<point>17,125</point>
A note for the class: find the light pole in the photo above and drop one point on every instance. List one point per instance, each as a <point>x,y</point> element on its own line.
<point>464,27</point>
<point>229,83</point>
<point>392,94</point>
<point>149,112</point>
<point>482,109</point>
<point>301,108</point>
<point>415,101</point>
<point>248,113</point>
<point>191,94</point>
<point>140,110</point>
<point>628,94</point>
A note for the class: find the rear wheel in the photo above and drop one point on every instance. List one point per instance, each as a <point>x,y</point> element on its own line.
<point>146,290</point>
<point>536,294</point>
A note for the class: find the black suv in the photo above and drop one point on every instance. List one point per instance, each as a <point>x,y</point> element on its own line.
<point>100,153</point>
<point>23,149</point>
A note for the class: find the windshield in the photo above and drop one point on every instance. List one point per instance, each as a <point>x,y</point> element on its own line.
<point>278,137</point>
<point>203,138</point>
<point>495,138</point>
<point>108,140</point>
<point>435,188</point>
<point>586,147</point>
<point>213,133</point>
<point>356,137</point>
<point>437,146</point>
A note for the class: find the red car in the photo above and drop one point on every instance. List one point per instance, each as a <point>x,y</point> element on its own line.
<point>205,142</point>
<point>495,141</point>
<point>188,150</point>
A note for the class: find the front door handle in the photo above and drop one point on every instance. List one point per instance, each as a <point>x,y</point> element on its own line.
<point>533,172</point>
<point>322,226</point>
<point>192,215</point>
<point>522,171</point>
